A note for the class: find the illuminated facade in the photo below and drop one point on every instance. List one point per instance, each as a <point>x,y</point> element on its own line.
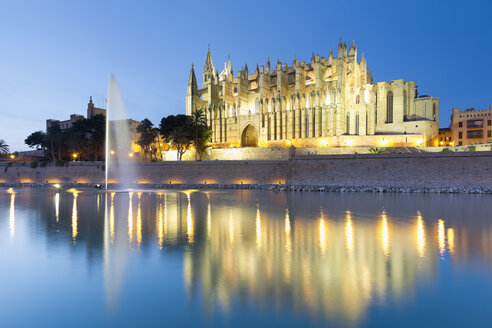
<point>325,102</point>
<point>471,126</point>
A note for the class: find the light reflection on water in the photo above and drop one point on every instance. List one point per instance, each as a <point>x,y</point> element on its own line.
<point>324,258</point>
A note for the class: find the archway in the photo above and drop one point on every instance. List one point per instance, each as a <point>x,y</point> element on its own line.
<point>249,138</point>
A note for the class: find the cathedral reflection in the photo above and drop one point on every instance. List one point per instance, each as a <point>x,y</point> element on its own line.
<point>331,260</point>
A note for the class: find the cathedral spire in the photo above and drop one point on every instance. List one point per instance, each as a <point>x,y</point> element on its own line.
<point>268,64</point>
<point>312,58</point>
<point>209,65</point>
<point>340,49</point>
<point>208,69</point>
<point>192,79</point>
<point>353,49</point>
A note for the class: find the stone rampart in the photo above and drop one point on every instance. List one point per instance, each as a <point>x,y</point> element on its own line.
<point>471,169</point>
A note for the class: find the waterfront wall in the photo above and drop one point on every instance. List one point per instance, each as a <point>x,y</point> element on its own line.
<point>252,153</point>
<point>472,169</point>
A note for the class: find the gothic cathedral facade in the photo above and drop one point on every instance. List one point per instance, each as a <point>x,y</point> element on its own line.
<point>325,102</point>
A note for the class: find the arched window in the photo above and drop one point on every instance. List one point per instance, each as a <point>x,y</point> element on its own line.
<point>357,123</point>
<point>347,124</point>
<point>389,108</point>
<point>306,121</point>
<point>405,105</point>
<point>434,111</point>
<point>357,99</point>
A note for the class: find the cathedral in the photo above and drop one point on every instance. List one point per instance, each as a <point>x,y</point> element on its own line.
<point>326,102</point>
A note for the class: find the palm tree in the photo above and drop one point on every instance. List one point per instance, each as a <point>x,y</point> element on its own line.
<point>198,119</point>
<point>4,148</point>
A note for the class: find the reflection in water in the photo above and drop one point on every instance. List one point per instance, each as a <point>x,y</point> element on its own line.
<point>273,254</point>
<point>441,236</point>
<point>451,241</point>
<point>111,217</point>
<point>322,234</point>
<point>12,213</point>
<point>420,235</point>
<point>57,206</point>
<point>189,219</point>
<point>349,232</point>
<point>139,220</point>
<point>74,218</point>
<point>130,218</point>
<point>385,234</point>
<point>160,223</point>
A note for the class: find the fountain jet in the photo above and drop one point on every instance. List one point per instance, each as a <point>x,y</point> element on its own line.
<point>119,165</point>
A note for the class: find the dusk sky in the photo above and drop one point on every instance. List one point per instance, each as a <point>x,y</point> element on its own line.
<point>55,54</point>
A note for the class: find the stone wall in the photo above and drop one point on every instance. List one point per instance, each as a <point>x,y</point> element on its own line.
<point>472,169</point>
<point>253,153</point>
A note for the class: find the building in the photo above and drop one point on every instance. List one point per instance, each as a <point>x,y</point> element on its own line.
<point>92,111</point>
<point>471,126</point>
<point>64,125</point>
<point>324,102</point>
<point>445,138</point>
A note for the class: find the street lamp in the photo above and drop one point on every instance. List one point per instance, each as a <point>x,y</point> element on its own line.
<point>74,156</point>
<point>130,155</point>
<point>12,156</point>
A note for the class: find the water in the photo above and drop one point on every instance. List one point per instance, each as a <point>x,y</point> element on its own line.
<point>119,165</point>
<point>80,258</point>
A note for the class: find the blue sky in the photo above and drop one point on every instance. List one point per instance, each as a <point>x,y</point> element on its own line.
<point>55,54</point>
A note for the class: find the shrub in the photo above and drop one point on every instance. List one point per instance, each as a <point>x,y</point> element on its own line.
<point>472,148</point>
<point>375,150</point>
<point>60,163</point>
<point>43,163</point>
<point>103,167</point>
<point>34,164</point>
<point>445,150</point>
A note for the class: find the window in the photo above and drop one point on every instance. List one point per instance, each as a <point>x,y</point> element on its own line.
<point>357,124</point>
<point>460,124</point>
<point>474,123</point>
<point>389,107</point>
<point>460,135</point>
<point>434,111</point>
<point>405,110</point>
<point>460,143</point>
<point>489,134</point>
<point>489,122</point>
<point>347,127</point>
<point>474,134</point>
<point>306,121</point>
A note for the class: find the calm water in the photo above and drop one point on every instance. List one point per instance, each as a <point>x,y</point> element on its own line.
<point>78,258</point>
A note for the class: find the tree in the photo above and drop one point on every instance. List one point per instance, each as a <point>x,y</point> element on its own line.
<point>148,136</point>
<point>4,148</point>
<point>54,140</point>
<point>204,138</point>
<point>36,139</point>
<point>178,130</point>
<point>199,120</point>
<point>181,138</point>
<point>87,137</point>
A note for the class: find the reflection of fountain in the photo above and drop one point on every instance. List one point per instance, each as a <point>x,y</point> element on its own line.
<point>118,139</point>
<point>12,212</point>
<point>114,246</point>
